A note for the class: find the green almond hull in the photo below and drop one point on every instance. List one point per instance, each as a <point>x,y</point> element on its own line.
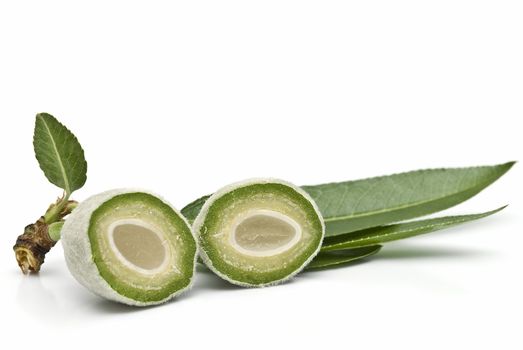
<point>213,228</point>
<point>95,264</point>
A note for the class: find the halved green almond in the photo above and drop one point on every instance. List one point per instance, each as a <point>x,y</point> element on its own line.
<point>130,246</point>
<point>259,232</point>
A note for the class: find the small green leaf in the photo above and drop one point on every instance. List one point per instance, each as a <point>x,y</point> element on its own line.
<point>59,153</point>
<point>383,234</point>
<point>341,257</point>
<point>55,229</point>
<point>191,210</point>
<point>356,205</point>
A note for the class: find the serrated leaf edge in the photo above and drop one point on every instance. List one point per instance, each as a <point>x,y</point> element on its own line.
<point>60,162</point>
<point>508,165</point>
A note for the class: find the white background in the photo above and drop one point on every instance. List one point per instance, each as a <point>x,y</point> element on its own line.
<point>185,97</point>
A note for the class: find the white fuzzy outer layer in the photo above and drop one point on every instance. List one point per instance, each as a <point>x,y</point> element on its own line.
<point>78,253</point>
<point>200,219</point>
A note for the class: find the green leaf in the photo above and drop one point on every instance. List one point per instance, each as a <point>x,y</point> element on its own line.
<point>341,257</point>
<point>59,153</point>
<point>191,210</point>
<point>55,230</point>
<point>383,234</point>
<point>356,205</point>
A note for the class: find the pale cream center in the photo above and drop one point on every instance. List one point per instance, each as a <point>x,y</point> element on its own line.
<point>138,245</point>
<point>264,233</point>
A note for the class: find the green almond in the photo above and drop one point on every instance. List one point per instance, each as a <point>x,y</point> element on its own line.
<point>258,232</point>
<point>130,246</point>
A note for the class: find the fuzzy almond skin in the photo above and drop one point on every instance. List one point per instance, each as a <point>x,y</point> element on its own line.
<point>200,219</point>
<point>78,254</point>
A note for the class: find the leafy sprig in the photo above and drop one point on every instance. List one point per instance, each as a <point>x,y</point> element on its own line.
<point>62,160</point>
<point>361,215</point>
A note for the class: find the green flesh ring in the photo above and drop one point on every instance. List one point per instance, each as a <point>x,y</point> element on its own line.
<point>259,232</point>
<point>141,267</point>
<point>135,242</point>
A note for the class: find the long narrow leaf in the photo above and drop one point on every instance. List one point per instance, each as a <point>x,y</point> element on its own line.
<point>341,257</point>
<point>355,205</point>
<point>388,233</point>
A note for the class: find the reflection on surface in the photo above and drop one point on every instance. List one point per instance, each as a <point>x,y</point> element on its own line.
<point>54,296</point>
